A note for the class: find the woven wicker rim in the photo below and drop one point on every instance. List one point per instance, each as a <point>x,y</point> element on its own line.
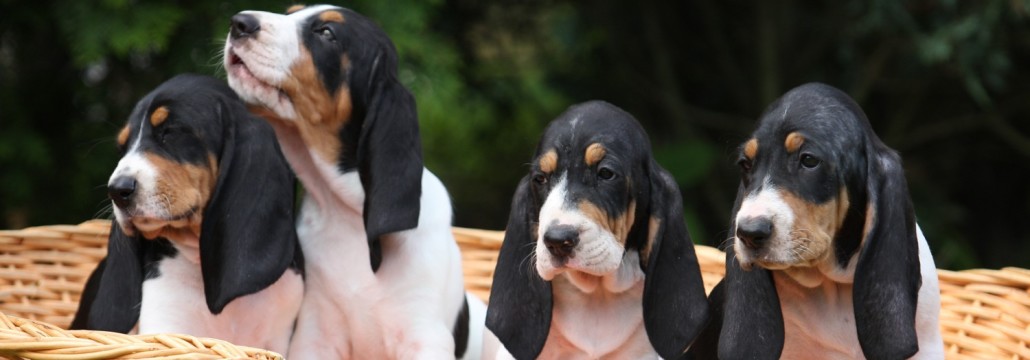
<point>985,313</point>
<point>33,339</point>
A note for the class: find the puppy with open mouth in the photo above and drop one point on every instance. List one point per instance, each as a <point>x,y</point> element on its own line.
<point>383,272</point>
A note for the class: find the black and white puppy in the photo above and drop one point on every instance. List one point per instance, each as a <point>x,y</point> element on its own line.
<point>827,261</point>
<point>204,241</point>
<point>383,272</point>
<point>602,223</point>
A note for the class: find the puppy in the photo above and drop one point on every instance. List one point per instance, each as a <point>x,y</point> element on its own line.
<point>826,261</point>
<point>204,240</point>
<point>383,273</point>
<point>602,223</point>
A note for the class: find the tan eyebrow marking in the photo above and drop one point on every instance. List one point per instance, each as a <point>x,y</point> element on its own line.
<point>332,15</point>
<point>159,116</point>
<point>549,161</point>
<point>295,8</point>
<point>751,148</point>
<point>123,136</point>
<point>595,152</point>
<point>794,142</point>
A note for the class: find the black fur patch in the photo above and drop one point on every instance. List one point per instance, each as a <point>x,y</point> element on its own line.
<point>461,331</point>
<point>841,163</point>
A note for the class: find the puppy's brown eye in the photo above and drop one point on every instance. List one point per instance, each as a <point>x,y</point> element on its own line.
<point>540,179</point>
<point>745,164</point>
<point>326,33</point>
<point>809,161</point>
<point>605,173</point>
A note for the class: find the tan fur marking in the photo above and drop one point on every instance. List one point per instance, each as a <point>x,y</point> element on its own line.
<point>123,136</point>
<point>159,116</point>
<point>331,16</point>
<point>870,220</point>
<point>595,152</point>
<point>183,190</point>
<point>751,148</point>
<point>320,116</point>
<point>794,142</point>
<point>295,8</point>
<point>815,225</point>
<point>548,161</point>
<point>652,232</point>
<point>618,226</point>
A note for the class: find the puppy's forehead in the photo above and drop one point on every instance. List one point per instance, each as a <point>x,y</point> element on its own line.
<point>313,11</point>
<point>817,111</point>
<point>597,124</point>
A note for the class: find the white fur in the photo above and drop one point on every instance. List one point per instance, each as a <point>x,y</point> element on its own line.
<point>770,204</point>
<point>409,307</point>
<point>268,57</point>
<point>405,310</point>
<point>605,322</point>
<point>819,316</point>
<point>174,303</point>
<point>598,292</point>
<point>598,252</point>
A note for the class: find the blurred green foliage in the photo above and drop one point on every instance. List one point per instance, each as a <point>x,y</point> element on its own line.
<point>941,81</point>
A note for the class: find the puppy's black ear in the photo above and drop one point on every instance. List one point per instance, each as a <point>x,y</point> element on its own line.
<point>706,346</point>
<point>520,302</point>
<point>887,277</point>
<point>247,238</point>
<point>752,323</point>
<point>675,307</point>
<point>390,157</point>
<point>89,294</point>
<point>111,299</point>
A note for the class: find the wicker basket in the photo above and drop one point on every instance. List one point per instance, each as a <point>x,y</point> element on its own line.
<point>985,315</point>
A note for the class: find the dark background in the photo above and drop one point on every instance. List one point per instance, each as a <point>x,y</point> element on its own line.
<point>944,82</point>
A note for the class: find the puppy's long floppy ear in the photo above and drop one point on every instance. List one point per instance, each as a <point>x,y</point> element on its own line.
<point>675,307</point>
<point>89,294</point>
<point>752,323</point>
<point>116,286</point>
<point>390,155</point>
<point>520,302</point>
<point>247,238</point>
<point>887,277</point>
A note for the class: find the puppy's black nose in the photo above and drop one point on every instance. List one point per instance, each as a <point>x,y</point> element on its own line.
<point>121,189</point>
<point>561,239</point>
<point>754,231</point>
<point>243,25</point>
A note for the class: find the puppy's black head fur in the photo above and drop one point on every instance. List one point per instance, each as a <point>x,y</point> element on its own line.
<point>342,95</point>
<point>193,125</point>
<point>605,157</point>
<point>601,157</point>
<point>810,145</point>
<point>817,160</point>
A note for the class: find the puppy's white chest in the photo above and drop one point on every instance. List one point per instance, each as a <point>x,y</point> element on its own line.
<point>174,302</point>
<point>817,321</point>
<point>596,325</point>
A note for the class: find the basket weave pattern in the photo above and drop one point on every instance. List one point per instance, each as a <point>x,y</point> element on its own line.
<point>985,313</point>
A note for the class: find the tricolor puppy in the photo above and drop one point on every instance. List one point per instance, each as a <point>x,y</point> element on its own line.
<point>383,273</point>
<point>204,239</point>
<point>827,261</point>
<point>596,260</point>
